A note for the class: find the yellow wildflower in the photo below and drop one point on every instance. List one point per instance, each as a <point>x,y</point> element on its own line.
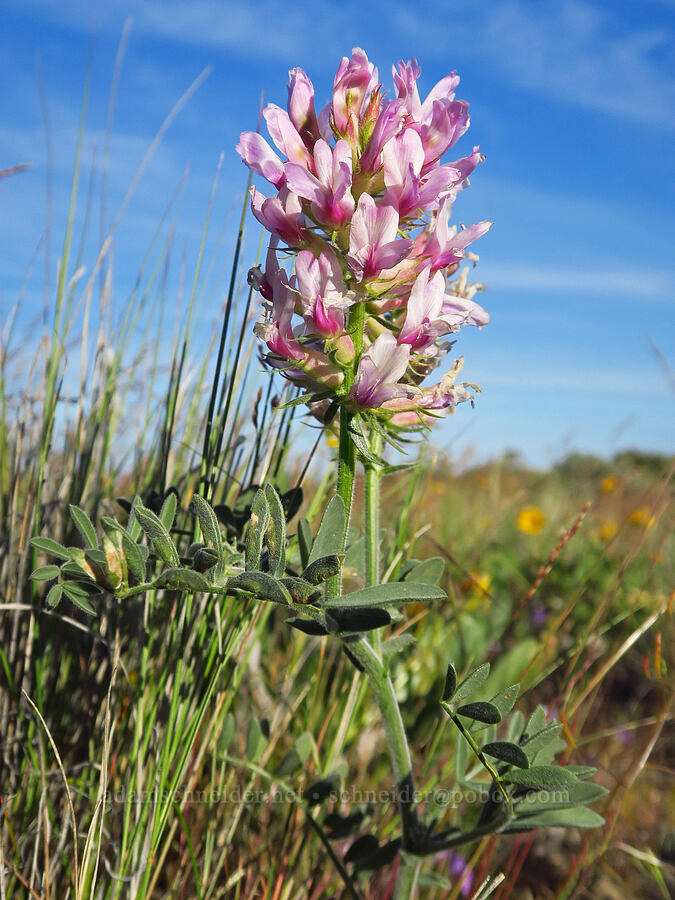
<point>332,439</point>
<point>531,520</point>
<point>608,484</point>
<point>642,517</point>
<point>608,529</point>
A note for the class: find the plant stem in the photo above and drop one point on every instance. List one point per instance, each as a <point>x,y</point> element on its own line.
<point>372,512</point>
<point>345,488</point>
<point>406,880</point>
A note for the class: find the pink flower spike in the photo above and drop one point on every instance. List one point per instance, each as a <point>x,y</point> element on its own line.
<point>260,158</point>
<point>322,292</point>
<point>301,106</point>
<point>285,135</point>
<point>380,368</point>
<point>329,191</point>
<point>282,215</point>
<point>373,246</point>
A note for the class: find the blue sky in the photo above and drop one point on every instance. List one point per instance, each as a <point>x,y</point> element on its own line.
<point>572,102</point>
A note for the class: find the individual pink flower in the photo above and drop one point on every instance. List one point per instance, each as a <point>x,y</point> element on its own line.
<point>275,328</point>
<point>301,106</point>
<point>281,215</point>
<point>441,119</point>
<point>407,189</point>
<point>286,136</point>
<point>379,371</point>
<point>445,246</point>
<point>458,311</point>
<point>322,292</point>
<point>422,324</point>
<point>355,79</point>
<point>388,125</point>
<point>373,245</point>
<point>260,158</point>
<point>329,191</point>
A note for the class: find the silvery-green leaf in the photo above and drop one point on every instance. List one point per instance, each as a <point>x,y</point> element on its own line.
<point>396,592</point>
<point>469,685</point>
<point>276,533</point>
<point>330,537</point>
<point>84,525</point>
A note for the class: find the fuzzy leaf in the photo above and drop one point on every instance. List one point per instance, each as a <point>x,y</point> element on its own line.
<point>322,789</point>
<point>398,644</point>
<point>84,525</point>
<point>134,557</point>
<point>396,592</point>
<point>304,541</point>
<point>504,702</point>
<point>540,739</point>
<point>79,599</point>
<point>322,569</point>
<point>330,537</point>
<point>254,740</point>
<point>45,573</point>
<point>450,683</point>
<point>357,620</point>
<point>168,512</point>
<point>182,579</point>
<point>578,794</point>
<point>541,777</point>
<point>471,683</point>
<point>261,585</point>
<point>536,722</point>
<point>49,546</point>
<point>276,533</point>
<point>300,590</point>
<point>54,595</point>
<point>428,572</point>
<point>257,528</point>
<point>480,711</point>
<point>208,522</point>
<point>158,535</point>
<point>508,753</point>
<point>307,626</point>
<point>576,817</point>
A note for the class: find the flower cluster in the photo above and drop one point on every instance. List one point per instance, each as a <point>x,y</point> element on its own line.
<point>362,204</point>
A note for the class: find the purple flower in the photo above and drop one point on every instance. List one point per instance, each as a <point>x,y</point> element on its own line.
<point>329,191</point>
<point>379,371</point>
<point>372,239</point>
